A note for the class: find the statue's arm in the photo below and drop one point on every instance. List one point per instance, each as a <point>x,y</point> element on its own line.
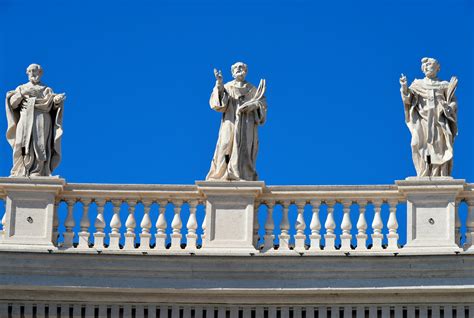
<point>219,99</point>
<point>16,97</point>
<point>407,96</point>
<point>261,110</point>
<point>450,109</point>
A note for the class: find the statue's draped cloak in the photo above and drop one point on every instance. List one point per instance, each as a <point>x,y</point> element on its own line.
<point>34,130</point>
<point>433,126</point>
<point>236,150</point>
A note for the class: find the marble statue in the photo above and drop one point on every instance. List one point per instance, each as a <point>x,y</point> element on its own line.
<point>431,117</point>
<point>34,119</point>
<point>243,108</point>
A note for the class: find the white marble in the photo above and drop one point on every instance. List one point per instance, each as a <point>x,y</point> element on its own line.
<point>34,115</point>
<point>230,212</point>
<point>243,108</point>
<point>431,214</point>
<point>431,117</point>
<point>30,212</point>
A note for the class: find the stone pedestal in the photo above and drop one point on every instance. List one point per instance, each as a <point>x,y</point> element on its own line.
<point>30,209</point>
<point>230,215</point>
<point>431,214</point>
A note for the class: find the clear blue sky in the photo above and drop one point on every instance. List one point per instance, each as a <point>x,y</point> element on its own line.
<point>138,75</point>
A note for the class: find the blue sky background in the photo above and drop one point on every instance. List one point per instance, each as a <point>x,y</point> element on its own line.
<point>138,77</point>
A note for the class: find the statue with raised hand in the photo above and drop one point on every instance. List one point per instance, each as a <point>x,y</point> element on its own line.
<point>431,117</point>
<point>243,108</point>
<point>34,115</point>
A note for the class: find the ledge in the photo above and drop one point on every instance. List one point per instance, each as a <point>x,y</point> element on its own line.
<point>254,280</point>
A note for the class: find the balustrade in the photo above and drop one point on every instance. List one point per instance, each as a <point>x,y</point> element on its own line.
<point>304,219</point>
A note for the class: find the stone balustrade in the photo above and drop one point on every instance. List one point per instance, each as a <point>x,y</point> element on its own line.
<point>246,218</point>
<point>314,229</point>
<point>129,218</point>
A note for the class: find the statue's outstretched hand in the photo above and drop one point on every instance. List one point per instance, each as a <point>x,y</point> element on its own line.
<point>219,79</point>
<point>403,83</point>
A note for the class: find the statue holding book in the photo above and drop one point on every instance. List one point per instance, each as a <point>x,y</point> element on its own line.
<point>243,108</point>
<point>431,117</point>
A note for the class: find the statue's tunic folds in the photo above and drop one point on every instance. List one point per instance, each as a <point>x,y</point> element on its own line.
<point>236,150</point>
<point>34,129</point>
<point>432,121</point>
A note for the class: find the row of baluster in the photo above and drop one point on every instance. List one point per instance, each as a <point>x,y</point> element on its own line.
<point>330,226</point>
<point>115,225</point>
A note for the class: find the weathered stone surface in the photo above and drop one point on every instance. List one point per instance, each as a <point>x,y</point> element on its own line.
<point>431,116</point>
<point>34,114</point>
<point>243,108</point>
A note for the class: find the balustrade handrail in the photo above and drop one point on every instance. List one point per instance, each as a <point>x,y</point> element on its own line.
<point>287,192</point>
<point>130,191</point>
<point>332,192</point>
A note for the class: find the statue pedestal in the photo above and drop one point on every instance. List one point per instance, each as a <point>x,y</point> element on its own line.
<point>230,215</point>
<point>431,214</point>
<point>30,209</point>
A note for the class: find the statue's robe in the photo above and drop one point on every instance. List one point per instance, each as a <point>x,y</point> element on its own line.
<point>236,150</point>
<point>34,130</point>
<point>433,126</point>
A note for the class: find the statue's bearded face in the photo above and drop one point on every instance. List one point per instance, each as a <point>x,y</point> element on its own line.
<point>430,68</point>
<point>34,74</point>
<point>239,71</point>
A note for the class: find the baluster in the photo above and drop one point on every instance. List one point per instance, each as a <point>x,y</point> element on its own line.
<point>315,227</point>
<point>192,225</point>
<point>161,226</point>
<point>362,227</point>
<point>130,225</point>
<point>330,226</point>
<point>300,226</point>
<point>55,223</point>
<point>469,224</point>
<point>99,225</point>
<point>115,225</point>
<point>377,226</point>
<point>392,226</point>
<point>346,226</point>
<point>145,224</point>
<point>284,227</point>
<point>176,225</point>
<point>269,227</point>
<point>204,226</point>
<point>84,225</point>
<point>69,224</point>
<point>256,225</point>
<point>4,225</point>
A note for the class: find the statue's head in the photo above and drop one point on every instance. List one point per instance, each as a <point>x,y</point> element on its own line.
<point>239,71</point>
<point>34,72</point>
<point>430,67</point>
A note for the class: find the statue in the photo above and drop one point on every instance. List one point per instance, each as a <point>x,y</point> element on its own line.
<point>34,118</point>
<point>430,114</point>
<point>243,108</point>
